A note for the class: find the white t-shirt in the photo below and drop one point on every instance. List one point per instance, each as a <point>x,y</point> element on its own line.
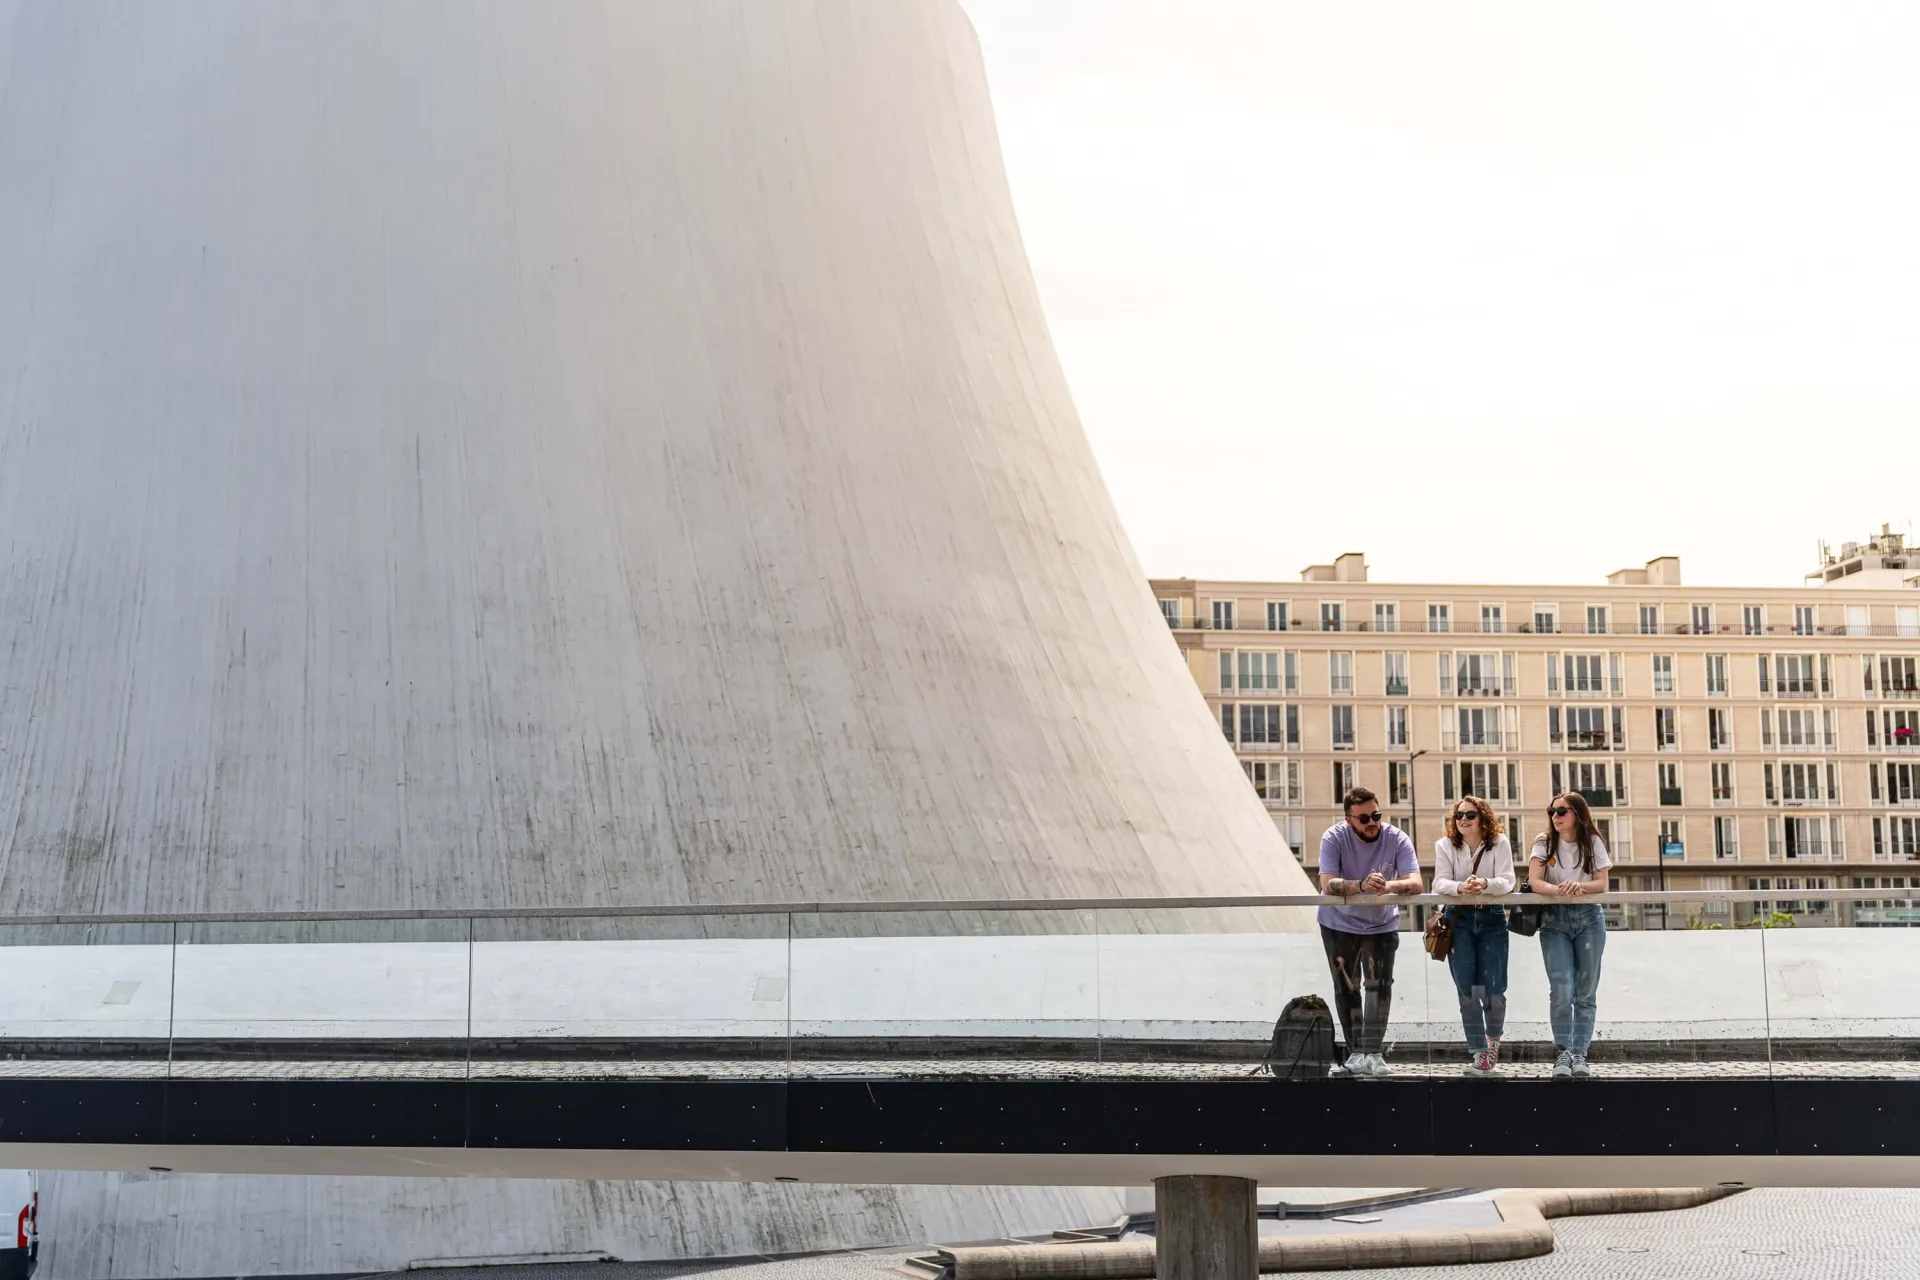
<point>1565,863</point>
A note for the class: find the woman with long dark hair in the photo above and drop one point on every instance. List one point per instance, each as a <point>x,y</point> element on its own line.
<point>1568,862</point>
<point>1474,861</point>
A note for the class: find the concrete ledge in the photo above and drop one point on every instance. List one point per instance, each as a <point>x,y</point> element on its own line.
<point>1522,1233</point>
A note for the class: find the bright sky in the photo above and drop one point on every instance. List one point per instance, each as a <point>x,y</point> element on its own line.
<point>1493,292</point>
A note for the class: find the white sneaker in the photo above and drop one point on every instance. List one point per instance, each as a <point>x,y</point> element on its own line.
<point>1355,1065</point>
<point>1563,1065</point>
<point>1377,1066</point>
<point>1580,1069</point>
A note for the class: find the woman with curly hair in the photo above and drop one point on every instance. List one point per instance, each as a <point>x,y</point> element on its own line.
<point>1569,861</point>
<point>1473,861</point>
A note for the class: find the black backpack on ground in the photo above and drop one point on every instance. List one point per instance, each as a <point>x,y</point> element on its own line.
<point>1302,1040</point>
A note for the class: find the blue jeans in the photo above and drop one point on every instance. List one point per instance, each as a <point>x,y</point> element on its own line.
<point>1572,939</point>
<point>1479,964</point>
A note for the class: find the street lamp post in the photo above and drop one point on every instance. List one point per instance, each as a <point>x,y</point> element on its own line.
<point>1413,818</point>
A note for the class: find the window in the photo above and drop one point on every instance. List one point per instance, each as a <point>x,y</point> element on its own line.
<point>1342,728</point>
<point>1396,726</point>
<point>1251,671</point>
<point>1663,673</point>
<point>1586,673</point>
<point>1899,676</point>
<point>1803,619</point>
<point>1752,619</point>
<point>1295,831</point>
<point>1703,619</point>
<point>1481,728</point>
<point>1722,782</point>
<point>1666,728</point>
<point>1275,781</point>
<point>1291,667</point>
<point>1803,838</point>
<point>1586,728</point>
<point>1396,672</point>
<point>1602,782</point>
<point>1649,619</point>
<point>1901,838</point>
<point>1170,610</point>
<point>1276,615</point>
<point>1293,727</point>
<point>1901,729</point>
<point>1794,675</point>
<point>1800,782</point>
<point>1798,728</point>
<point>1717,674</point>
<point>1673,831</point>
<point>1596,619</point>
<point>1329,615</point>
<point>1386,617</point>
<point>1719,729</point>
<point>1399,785</point>
<point>1439,617</point>
<point>1342,780</point>
<point>1492,622</point>
<point>1479,675</point>
<point>1669,782</point>
<point>1340,672</point>
<point>1488,779</point>
<point>1262,725</point>
<point>1903,783</point>
<point>1223,615</point>
<point>1726,839</point>
<point>1546,619</point>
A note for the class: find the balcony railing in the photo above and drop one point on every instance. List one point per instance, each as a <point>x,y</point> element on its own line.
<point>1670,796</point>
<point>1396,688</point>
<point>1576,741</point>
<point>1597,798</point>
<point>1471,626</point>
<point>1483,688</point>
<point>1454,740</point>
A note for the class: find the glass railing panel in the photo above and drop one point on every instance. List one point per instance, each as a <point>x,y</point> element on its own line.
<point>330,999</point>
<point>85,1000</point>
<point>631,997</point>
<point>1195,992</point>
<point>1840,1002</point>
<point>944,993</point>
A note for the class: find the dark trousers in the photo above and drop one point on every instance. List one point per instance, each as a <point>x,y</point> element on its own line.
<point>1362,967</point>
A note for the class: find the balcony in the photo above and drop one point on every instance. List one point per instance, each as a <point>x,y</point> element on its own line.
<point>1576,741</point>
<point>1799,747</point>
<point>1670,796</point>
<point>1596,798</point>
<point>1482,689</point>
<point>1900,691</point>
<point>1396,688</point>
<point>1453,740</point>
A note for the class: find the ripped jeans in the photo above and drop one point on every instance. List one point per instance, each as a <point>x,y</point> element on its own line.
<point>1362,966</point>
<point>1572,940</point>
<point>1478,962</point>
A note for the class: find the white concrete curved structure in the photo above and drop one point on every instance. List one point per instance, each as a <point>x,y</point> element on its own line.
<point>554,452</point>
<point>551,452</point>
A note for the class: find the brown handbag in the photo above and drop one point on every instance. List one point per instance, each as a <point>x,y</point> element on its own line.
<point>1439,939</point>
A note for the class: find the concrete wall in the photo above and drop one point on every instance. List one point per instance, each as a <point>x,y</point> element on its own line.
<point>555,452</point>
<point>101,1226</point>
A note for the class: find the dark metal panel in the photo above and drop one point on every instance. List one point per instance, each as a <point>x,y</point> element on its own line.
<point>695,1115</point>
<point>129,1111</point>
<point>1848,1117</point>
<point>1603,1117</point>
<point>968,1116</point>
<point>316,1113</point>
<point>1292,1117</point>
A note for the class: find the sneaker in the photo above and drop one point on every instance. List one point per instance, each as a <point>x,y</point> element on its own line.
<point>1377,1065</point>
<point>1563,1065</point>
<point>1355,1066</point>
<point>1485,1063</point>
<point>1580,1071</point>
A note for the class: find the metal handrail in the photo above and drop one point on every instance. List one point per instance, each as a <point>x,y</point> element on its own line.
<point>944,906</point>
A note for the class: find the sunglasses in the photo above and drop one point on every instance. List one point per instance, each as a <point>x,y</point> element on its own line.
<point>1469,815</point>
<point>1367,819</point>
<point>1560,811</point>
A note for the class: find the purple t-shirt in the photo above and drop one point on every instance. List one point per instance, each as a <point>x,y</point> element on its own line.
<point>1343,853</point>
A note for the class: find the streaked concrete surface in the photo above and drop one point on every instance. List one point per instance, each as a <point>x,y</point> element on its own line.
<point>555,452</point>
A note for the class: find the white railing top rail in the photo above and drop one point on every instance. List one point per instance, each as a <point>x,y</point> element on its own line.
<point>977,905</point>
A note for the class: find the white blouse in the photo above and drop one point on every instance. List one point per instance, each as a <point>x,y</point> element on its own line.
<point>1564,864</point>
<point>1451,866</point>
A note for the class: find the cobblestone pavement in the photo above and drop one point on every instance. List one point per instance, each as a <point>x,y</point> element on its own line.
<point>1758,1235</point>
<point>997,1068</point>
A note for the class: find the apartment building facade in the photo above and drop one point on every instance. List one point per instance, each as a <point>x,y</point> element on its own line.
<point>1764,739</point>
